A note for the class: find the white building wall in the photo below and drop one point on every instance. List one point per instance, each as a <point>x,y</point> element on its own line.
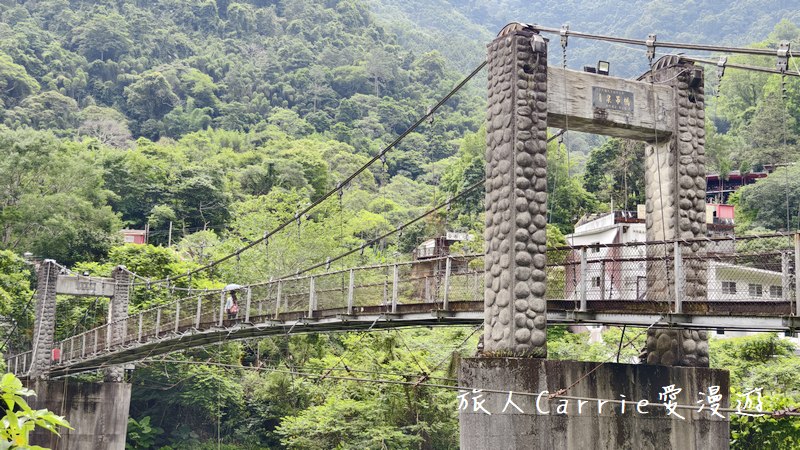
<point>604,231</point>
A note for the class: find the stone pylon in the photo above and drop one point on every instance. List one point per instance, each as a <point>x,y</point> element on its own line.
<point>118,310</point>
<point>45,318</point>
<point>516,195</point>
<point>675,178</point>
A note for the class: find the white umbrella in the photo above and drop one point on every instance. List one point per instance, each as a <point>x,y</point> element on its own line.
<point>231,287</point>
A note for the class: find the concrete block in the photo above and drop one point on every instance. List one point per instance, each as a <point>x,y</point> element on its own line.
<point>563,427</point>
<point>98,412</point>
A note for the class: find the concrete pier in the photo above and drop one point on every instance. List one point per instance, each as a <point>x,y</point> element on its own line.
<point>98,412</point>
<point>489,421</point>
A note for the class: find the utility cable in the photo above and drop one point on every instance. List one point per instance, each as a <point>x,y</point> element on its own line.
<point>449,201</point>
<point>790,412</point>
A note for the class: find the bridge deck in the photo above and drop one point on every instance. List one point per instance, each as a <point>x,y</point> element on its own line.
<point>763,315</point>
<point>586,285</point>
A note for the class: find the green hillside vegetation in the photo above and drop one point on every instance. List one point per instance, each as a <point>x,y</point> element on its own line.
<point>221,120</point>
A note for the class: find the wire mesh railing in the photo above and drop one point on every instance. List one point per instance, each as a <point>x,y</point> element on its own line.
<point>744,276</point>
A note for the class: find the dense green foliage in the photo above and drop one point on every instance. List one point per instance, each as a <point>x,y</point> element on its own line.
<point>768,362</point>
<point>20,419</point>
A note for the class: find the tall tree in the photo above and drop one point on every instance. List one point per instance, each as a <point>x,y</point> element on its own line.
<point>52,201</point>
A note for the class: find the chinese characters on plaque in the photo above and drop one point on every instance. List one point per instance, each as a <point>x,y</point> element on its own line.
<point>612,99</point>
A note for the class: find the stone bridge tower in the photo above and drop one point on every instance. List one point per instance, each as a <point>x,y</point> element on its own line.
<point>665,109</point>
<point>516,197</point>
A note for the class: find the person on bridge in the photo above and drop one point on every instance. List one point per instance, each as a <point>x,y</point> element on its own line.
<point>232,305</point>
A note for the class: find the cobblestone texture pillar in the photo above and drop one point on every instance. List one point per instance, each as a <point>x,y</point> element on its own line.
<point>45,320</point>
<point>516,195</point>
<point>118,310</point>
<point>676,194</point>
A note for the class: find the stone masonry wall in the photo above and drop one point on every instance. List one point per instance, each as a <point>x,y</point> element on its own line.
<point>45,320</point>
<point>119,310</point>
<point>516,196</point>
<point>676,191</point>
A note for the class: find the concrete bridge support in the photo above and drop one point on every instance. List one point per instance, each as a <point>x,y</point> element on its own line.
<point>489,421</point>
<point>98,412</point>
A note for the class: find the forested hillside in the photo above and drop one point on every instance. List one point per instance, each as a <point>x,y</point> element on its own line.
<point>240,98</point>
<point>213,122</point>
<point>173,67</point>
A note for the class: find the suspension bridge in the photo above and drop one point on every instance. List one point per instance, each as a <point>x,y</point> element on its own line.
<point>442,290</point>
<point>677,283</point>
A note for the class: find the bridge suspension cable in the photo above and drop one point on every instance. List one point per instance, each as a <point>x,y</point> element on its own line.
<point>16,323</point>
<point>400,228</point>
<point>654,43</point>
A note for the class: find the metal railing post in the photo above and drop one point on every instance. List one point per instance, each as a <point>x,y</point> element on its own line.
<point>177,315</point>
<point>278,300</point>
<point>428,290</point>
<point>61,352</point>
<point>678,276</point>
<point>158,321</point>
<point>141,325</point>
<point>603,279</point>
<point>96,335</point>
<point>796,275</point>
<point>351,291</point>
<point>72,346</point>
<point>447,269</point>
<point>83,346</point>
<point>221,308</point>
<point>311,298</point>
<point>16,365</point>
<point>199,312</point>
<point>395,286</point>
<point>476,283</point>
<point>786,280</point>
<point>261,312</point>
<point>108,327</point>
<point>247,305</point>
<point>584,273</point>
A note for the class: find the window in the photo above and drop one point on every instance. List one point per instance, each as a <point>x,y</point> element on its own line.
<point>776,291</point>
<point>754,290</point>
<point>596,248</point>
<point>728,287</point>
<point>596,281</point>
